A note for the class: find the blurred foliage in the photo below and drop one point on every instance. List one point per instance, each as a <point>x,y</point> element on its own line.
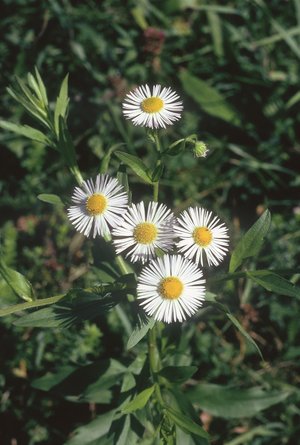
<point>236,66</point>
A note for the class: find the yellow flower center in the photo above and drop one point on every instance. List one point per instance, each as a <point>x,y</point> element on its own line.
<point>170,288</point>
<point>202,236</point>
<point>152,105</point>
<point>145,233</point>
<point>96,204</point>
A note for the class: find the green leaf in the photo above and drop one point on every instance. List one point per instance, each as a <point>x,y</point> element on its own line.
<point>67,149</point>
<point>25,130</point>
<point>42,87</point>
<point>136,165</point>
<point>238,325</point>
<point>139,401</point>
<point>17,282</point>
<point>157,173</point>
<point>84,305</point>
<point>274,283</point>
<point>251,242</point>
<point>209,98</point>
<point>139,332</point>
<point>267,430</point>
<point>49,380</point>
<point>89,383</point>
<point>51,199</point>
<point>228,402</point>
<point>35,111</point>
<point>186,424</point>
<point>61,105</point>
<point>178,374</point>
<point>187,439</point>
<point>94,430</point>
<point>210,297</point>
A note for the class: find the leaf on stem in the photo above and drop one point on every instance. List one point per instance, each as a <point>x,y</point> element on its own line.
<point>62,103</point>
<point>137,166</point>
<point>139,332</point>
<point>78,305</point>
<point>185,423</point>
<point>25,130</point>
<point>17,282</point>
<point>251,242</point>
<point>274,283</point>
<point>228,402</point>
<point>51,199</point>
<point>209,98</point>
<point>139,401</point>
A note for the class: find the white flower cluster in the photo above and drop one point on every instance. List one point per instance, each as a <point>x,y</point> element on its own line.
<point>171,286</point>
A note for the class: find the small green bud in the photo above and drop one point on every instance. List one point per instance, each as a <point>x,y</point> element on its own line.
<point>200,149</point>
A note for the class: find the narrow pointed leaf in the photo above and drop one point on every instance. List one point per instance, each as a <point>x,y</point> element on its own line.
<point>25,130</point>
<point>228,402</point>
<point>17,282</point>
<point>139,401</point>
<point>251,242</point>
<point>136,165</point>
<point>178,374</point>
<point>274,283</point>
<point>93,431</point>
<point>51,199</point>
<point>62,102</point>
<point>209,98</point>
<point>186,424</point>
<point>139,332</point>
<point>243,331</point>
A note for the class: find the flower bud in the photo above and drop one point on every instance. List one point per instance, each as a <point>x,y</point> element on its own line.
<point>200,149</point>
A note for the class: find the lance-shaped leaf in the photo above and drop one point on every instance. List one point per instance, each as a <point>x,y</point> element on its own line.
<point>139,332</point>
<point>78,305</point>
<point>210,297</point>
<point>61,105</point>
<point>25,130</point>
<point>178,374</point>
<point>136,165</point>
<point>92,432</point>
<point>17,282</point>
<point>251,242</point>
<point>51,199</point>
<point>139,401</point>
<point>274,283</point>
<point>185,423</point>
<point>209,98</point>
<point>228,402</point>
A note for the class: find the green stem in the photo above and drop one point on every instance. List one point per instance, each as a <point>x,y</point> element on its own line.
<point>158,163</point>
<point>121,264</point>
<point>154,361</point>
<point>119,260</point>
<point>29,305</point>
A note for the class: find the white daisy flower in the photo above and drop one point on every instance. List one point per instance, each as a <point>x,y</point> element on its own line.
<point>201,236</point>
<point>98,205</point>
<point>144,229</point>
<point>171,288</point>
<point>154,109</point>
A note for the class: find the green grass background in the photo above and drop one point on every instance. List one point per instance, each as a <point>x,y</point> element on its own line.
<point>236,67</point>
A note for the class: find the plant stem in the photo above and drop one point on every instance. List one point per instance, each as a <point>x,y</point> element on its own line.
<point>158,163</point>
<point>121,264</point>
<point>154,360</point>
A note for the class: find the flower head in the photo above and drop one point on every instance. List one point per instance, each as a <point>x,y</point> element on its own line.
<point>201,236</point>
<point>98,205</point>
<point>144,229</point>
<point>171,288</point>
<point>153,109</point>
